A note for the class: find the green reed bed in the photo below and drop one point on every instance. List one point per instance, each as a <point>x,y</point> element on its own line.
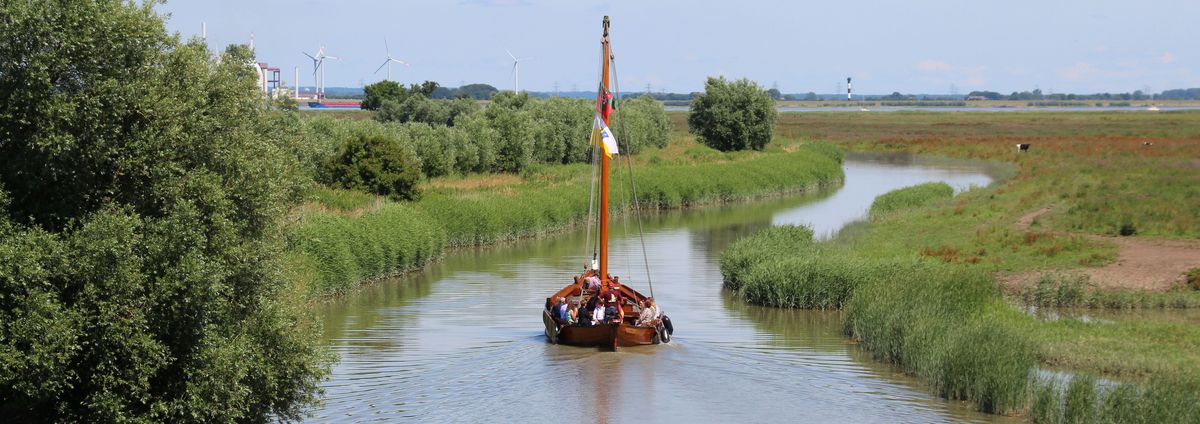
<point>483,216</point>
<point>337,248</point>
<point>337,252</point>
<point>911,197</point>
<point>1076,291</point>
<point>943,324</point>
<point>949,327</point>
<point>1084,399</point>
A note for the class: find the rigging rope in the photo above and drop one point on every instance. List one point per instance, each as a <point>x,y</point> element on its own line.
<point>637,208</point>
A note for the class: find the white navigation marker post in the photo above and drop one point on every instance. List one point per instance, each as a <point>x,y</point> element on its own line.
<point>848,91</point>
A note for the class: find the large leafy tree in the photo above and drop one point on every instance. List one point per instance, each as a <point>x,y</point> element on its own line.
<point>732,115</point>
<point>375,94</point>
<point>142,190</point>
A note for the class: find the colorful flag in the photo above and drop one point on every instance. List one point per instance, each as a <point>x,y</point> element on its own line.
<point>605,104</point>
<point>604,136</point>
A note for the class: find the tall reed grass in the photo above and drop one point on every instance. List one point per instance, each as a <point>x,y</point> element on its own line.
<point>1076,291</point>
<point>911,197</point>
<point>336,249</point>
<point>947,325</point>
<point>338,252</point>
<point>495,214</point>
<point>1084,399</point>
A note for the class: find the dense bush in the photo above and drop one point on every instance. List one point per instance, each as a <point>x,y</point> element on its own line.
<point>640,122</point>
<point>140,238</point>
<point>910,197</point>
<point>375,94</point>
<point>376,164</point>
<point>512,133</point>
<point>418,108</point>
<point>736,115</point>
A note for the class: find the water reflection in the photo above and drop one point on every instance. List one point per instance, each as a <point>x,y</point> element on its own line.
<point>461,341</point>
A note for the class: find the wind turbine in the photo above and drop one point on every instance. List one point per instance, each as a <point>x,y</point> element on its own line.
<point>390,60</point>
<point>319,68</point>
<point>516,71</point>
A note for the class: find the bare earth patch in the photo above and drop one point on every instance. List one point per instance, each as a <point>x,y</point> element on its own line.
<point>1142,263</point>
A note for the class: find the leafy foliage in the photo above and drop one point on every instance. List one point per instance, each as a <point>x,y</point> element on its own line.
<point>377,165</point>
<point>418,108</point>
<point>375,94</point>
<point>140,235</point>
<point>736,115</point>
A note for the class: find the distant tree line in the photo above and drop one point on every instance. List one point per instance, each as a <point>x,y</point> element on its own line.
<point>1176,94</point>
<point>413,136</point>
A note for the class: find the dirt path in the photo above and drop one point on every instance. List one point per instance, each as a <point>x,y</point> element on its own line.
<point>1142,263</point>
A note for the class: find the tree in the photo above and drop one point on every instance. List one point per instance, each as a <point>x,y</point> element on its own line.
<point>375,94</point>
<point>143,190</point>
<point>775,94</point>
<point>735,115</point>
<point>377,165</point>
<point>478,91</point>
<point>426,88</point>
<point>640,123</point>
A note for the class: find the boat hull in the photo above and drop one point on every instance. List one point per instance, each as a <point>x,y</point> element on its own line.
<point>606,335</point>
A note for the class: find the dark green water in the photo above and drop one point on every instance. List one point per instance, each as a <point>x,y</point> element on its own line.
<point>462,340</point>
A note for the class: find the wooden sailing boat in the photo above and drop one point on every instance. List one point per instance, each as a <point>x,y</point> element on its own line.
<point>596,286</point>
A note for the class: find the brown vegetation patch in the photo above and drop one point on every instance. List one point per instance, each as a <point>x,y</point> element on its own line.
<point>474,182</point>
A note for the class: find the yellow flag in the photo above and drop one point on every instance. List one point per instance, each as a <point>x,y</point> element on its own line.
<point>604,136</point>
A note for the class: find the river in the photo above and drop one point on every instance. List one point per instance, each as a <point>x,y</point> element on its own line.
<point>461,341</point>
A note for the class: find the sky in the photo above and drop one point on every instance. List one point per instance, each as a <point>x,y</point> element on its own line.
<point>926,47</point>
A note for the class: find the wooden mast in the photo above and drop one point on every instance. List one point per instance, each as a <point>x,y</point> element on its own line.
<point>601,104</point>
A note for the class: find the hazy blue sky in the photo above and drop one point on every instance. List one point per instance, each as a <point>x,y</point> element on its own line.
<point>911,47</point>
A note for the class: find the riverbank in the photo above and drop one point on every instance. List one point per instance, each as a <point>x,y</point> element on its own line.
<point>920,288</point>
<point>342,239</point>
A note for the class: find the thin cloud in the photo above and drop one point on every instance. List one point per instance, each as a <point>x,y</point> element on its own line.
<point>970,76</point>
<point>1084,71</point>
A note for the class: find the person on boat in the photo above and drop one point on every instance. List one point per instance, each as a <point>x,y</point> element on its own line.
<point>612,293</point>
<point>598,312</point>
<point>649,312</point>
<point>562,311</point>
<point>591,283</point>
<point>583,312</point>
<point>573,314</point>
<point>613,313</point>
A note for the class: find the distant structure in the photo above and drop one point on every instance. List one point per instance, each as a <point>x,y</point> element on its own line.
<point>848,90</point>
<point>269,80</point>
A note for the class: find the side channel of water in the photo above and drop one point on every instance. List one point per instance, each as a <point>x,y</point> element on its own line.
<point>462,340</point>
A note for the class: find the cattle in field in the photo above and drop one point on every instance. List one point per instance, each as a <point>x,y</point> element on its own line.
<point>1147,143</point>
<point>1021,148</point>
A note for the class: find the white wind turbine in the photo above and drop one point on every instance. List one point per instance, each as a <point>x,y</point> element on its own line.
<point>516,70</point>
<point>390,60</point>
<point>319,68</point>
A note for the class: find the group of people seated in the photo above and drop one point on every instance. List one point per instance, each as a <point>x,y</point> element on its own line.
<point>601,305</point>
